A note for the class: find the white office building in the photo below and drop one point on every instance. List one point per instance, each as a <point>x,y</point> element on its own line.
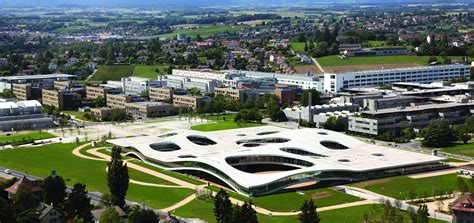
<point>425,75</point>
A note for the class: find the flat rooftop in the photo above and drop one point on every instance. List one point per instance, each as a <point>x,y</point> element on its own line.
<point>34,77</point>
<point>418,108</point>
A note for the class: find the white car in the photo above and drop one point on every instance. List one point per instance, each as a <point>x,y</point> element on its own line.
<point>7,171</point>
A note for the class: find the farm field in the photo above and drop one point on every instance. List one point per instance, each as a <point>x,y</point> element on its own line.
<point>203,31</point>
<point>112,72</point>
<point>149,71</point>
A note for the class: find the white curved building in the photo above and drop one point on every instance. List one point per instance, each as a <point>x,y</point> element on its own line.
<point>263,160</point>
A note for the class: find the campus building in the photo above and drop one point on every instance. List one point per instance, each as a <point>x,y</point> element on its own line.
<point>150,109</point>
<point>41,81</point>
<point>374,122</point>
<point>189,101</point>
<point>161,94</point>
<point>92,92</point>
<point>119,100</point>
<point>63,99</point>
<point>135,85</point>
<point>25,92</point>
<point>334,83</point>
<point>264,160</point>
<point>23,115</point>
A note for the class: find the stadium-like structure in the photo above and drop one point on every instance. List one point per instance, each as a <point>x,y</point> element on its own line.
<point>263,160</point>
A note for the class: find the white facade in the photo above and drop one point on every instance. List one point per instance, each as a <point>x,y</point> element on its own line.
<point>425,75</point>
<point>135,85</point>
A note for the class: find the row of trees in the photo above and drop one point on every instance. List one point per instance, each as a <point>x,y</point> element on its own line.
<point>440,133</point>
<point>225,213</point>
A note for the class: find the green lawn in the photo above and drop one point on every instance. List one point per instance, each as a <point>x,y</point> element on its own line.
<point>323,197</point>
<point>203,209</point>
<point>78,114</point>
<point>377,43</point>
<point>41,161</point>
<point>168,172</point>
<point>204,31</point>
<point>223,122</point>
<point>461,149</point>
<point>330,61</point>
<point>297,46</point>
<point>400,186</point>
<point>25,136</point>
<point>112,72</point>
<point>149,71</point>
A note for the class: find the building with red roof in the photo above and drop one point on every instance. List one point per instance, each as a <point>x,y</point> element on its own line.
<point>463,209</point>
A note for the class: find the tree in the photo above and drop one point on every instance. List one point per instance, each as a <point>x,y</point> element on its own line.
<point>6,210</point>
<point>315,98</point>
<point>462,133</point>
<point>335,124</point>
<point>432,59</point>
<point>27,216</point>
<point>278,116</point>
<point>198,38</point>
<point>139,215</point>
<point>24,200</point>
<point>194,91</point>
<point>309,213</point>
<point>245,214</point>
<point>78,203</point>
<point>222,207</point>
<point>422,214</point>
<point>110,216</point>
<point>99,101</point>
<point>437,134</point>
<point>469,123</point>
<point>117,177</point>
<point>407,134</point>
<point>54,190</point>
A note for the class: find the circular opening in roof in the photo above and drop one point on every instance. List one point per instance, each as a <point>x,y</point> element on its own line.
<point>251,145</point>
<point>241,135</point>
<point>186,156</point>
<point>322,133</point>
<point>267,133</point>
<point>333,145</point>
<point>201,140</point>
<point>377,154</point>
<point>301,152</point>
<point>164,147</point>
<point>263,140</point>
<point>344,160</point>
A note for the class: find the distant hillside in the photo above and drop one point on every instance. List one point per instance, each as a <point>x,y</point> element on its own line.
<point>138,3</point>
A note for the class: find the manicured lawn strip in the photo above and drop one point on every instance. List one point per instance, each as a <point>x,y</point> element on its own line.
<point>41,160</point>
<point>223,122</point>
<point>323,197</point>
<point>330,61</point>
<point>461,149</point>
<point>149,71</point>
<point>112,72</point>
<point>168,172</point>
<point>400,186</point>
<point>203,209</point>
<point>27,136</point>
<point>147,178</point>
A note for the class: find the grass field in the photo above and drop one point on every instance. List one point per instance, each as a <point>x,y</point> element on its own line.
<point>26,136</point>
<point>399,187</point>
<point>330,61</point>
<point>203,209</point>
<point>41,161</point>
<point>112,72</point>
<point>461,149</point>
<point>149,71</point>
<point>323,197</point>
<point>78,115</point>
<point>297,46</point>
<point>203,31</point>
<point>223,122</point>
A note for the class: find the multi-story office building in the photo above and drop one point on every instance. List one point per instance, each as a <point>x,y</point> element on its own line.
<point>161,94</point>
<point>104,113</point>
<point>43,81</point>
<point>23,115</point>
<point>150,109</point>
<point>392,102</point>
<point>189,101</point>
<point>119,100</point>
<point>25,92</point>
<point>376,122</point>
<point>336,82</point>
<point>92,92</point>
<point>181,82</point>
<point>63,99</point>
<point>135,85</point>
<point>234,93</point>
